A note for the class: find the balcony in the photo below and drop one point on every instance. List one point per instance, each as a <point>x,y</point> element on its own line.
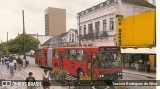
<point>96,35</point>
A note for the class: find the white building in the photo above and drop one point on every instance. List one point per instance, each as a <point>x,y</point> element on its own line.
<point>152,2</point>
<point>70,38</point>
<point>98,23</point>
<point>41,38</point>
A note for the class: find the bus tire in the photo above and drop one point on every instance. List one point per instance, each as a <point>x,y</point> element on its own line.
<point>79,73</point>
<point>55,65</point>
<point>40,64</point>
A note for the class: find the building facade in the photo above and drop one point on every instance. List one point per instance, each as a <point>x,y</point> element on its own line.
<point>98,23</point>
<point>97,26</point>
<point>55,21</point>
<point>152,2</point>
<point>70,38</point>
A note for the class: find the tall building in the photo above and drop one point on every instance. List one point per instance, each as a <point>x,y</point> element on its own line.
<point>55,21</point>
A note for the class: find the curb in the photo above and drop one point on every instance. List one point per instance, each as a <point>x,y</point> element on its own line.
<point>140,75</point>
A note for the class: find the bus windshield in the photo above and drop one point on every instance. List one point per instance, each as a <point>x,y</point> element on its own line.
<point>108,60</point>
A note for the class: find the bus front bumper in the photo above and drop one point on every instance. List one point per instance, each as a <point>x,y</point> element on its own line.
<point>112,76</point>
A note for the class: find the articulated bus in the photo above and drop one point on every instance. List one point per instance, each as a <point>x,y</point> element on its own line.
<point>96,62</point>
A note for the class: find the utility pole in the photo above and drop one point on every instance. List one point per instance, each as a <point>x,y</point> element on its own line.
<point>24,33</point>
<point>79,30</point>
<point>7,36</point>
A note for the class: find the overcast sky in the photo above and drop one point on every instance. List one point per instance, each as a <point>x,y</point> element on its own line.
<point>11,14</point>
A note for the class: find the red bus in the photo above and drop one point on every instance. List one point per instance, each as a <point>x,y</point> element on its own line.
<point>96,62</point>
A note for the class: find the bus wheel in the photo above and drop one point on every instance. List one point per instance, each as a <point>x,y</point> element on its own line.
<point>40,64</point>
<point>56,65</point>
<point>80,74</point>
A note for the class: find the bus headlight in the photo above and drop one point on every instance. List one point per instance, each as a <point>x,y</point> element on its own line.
<point>101,76</point>
<point>119,73</point>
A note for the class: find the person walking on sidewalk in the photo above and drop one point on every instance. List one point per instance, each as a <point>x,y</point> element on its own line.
<point>19,60</point>
<point>136,65</point>
<point>11,67</point>
<point>148,65</point>
<point>7,63</point>
<point>46,80</point>
<point>2,59</point>
<point>30,79</point>
<point>140,65</point>
<point>24,63</point>
<point>15,63</point>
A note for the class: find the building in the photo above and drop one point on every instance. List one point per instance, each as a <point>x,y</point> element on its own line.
<point>41,38</point>
<point>98,23</point>
<point>70,38</point>
<point>136,35</point>
<point>55,21</point>
<point>152,2</point>
<point>98,26</point>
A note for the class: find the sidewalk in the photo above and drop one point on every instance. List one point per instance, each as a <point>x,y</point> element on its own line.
<point>140,73</point>
<point>37,73</point>
<point>5,75</point>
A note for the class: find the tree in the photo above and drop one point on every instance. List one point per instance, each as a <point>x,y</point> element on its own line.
<point>17,45</point>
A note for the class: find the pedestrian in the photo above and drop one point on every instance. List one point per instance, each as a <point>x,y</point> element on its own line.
<point>19,62</point>
<point>2,60</point>
<point>130,61</point>
<point>140,65</point>
<point>136,65</point>
<point>5,59</point>
<point>148,65</point>
<point>46,80</point>
<point>24,63</point>
<point>30,79</point>
<point>11,67</point>
<point>15,63</point>
<point>7,63</point>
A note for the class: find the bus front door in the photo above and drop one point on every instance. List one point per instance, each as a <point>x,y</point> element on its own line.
<point>61,60</point>
<point>91,65</point>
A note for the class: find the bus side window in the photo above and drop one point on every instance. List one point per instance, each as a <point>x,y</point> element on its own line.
<point>72,55</point>
<point>80,55</point>
<point>40,52</point>
<point>67,53</point>
<point>55,53</point>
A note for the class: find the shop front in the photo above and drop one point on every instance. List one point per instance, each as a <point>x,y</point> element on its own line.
<point>131,57</point>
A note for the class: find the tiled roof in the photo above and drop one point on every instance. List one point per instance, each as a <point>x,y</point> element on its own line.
<point>139,3</point>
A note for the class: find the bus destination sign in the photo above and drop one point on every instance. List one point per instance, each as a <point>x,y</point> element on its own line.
<point>109,49</point>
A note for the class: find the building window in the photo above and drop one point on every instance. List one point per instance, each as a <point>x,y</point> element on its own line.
<point>111,24</point>
<point>72,37</point>
<point>80,30</point>
<point>97,24</point>
<point>104,25</point>
<point>154,2</point>
<point>90,30</point>
<point>84,29</point>
<point>69,37</point>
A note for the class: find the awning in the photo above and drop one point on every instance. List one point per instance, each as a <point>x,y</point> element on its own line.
<point>139,50</point>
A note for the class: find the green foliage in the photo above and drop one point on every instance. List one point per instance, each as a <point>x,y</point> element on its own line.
<point>17,45</point>
<point>63,72</point>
